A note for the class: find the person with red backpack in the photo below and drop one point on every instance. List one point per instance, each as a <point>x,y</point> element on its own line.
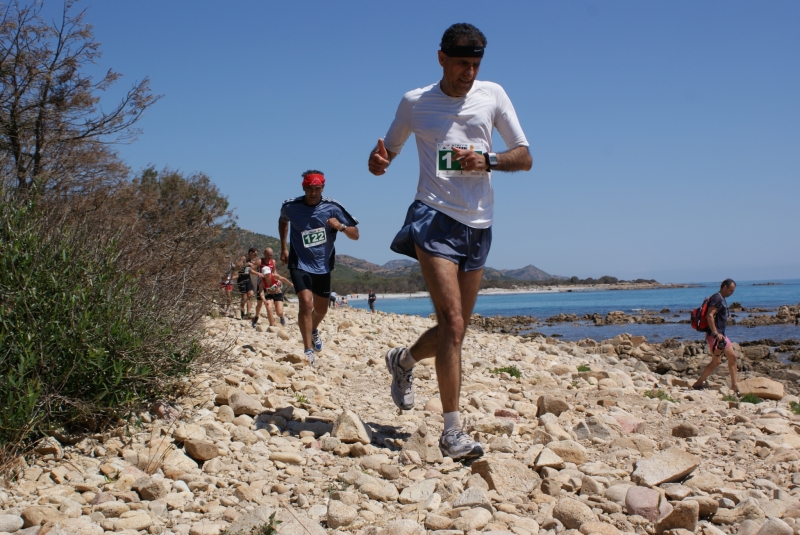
<point>716,317</point>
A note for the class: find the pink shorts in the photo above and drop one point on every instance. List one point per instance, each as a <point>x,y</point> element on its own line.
<point>711,340</point>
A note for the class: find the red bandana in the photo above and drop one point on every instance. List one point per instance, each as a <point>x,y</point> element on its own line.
<point>313,180</point>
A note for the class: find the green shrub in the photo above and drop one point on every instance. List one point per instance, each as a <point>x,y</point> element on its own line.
<point>794,407</point>
<point>583,368</point>
<point>750,398</point>
<point>659,394</point>
<point>513,371</point>
<point>81,343</point>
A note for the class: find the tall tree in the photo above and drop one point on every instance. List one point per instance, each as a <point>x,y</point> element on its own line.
<point>53,131</point>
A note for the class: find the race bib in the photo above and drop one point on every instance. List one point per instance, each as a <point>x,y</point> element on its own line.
<point>314,237</point>
<point>446,164</point>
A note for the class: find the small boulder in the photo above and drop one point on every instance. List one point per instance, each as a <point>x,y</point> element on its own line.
<point>506,476</point>
<point>149,489</point>
<point>572,513</point>
<point>10,523</point>
<point>775,526</point>
<point>201,450</point>
<point>340,514</point>
<point>670,465</point>
<point>418,492</point>
<point>243,403</point>
<point>569,450</point>
<point>684,515</point>
<point>762,387</point>
<point>551,404</point>
<point>350,429</point>
<point>424,445</point>
<point>646,502</point>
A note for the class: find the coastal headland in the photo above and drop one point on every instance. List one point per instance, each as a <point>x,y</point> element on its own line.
<point>596,436</point>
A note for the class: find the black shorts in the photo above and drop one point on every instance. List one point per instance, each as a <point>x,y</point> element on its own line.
<point>318,284</point>
<point>245,284</point>
<point>273,297</point>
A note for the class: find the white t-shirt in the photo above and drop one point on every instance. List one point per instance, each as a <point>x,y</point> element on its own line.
<point>438,120</point>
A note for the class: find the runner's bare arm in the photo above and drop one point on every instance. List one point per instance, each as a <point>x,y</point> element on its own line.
<point>351,231</point>
<point>379,159</point>
<point>712,324</point>
<point>283,279</point>
<point>516,159</point>
<point>283,231</point>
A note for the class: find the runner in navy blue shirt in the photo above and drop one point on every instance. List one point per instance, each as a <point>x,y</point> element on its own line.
<point>312,222</point>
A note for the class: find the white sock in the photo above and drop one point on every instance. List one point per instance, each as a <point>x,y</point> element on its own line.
<point>452,420</point>
<point>407,361</point>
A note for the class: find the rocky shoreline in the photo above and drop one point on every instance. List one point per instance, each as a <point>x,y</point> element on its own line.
<point>581,438</point>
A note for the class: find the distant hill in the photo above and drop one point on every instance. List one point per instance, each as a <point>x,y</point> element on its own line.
<point>529,273</point>
<point>400,263</point>
<point>240,240</point>
<point>357,264</point>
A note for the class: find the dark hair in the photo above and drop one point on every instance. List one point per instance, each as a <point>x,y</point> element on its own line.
<point>252,250</point>
<point>726,283</point>
<point>312,172</point>
<point>462,31</point>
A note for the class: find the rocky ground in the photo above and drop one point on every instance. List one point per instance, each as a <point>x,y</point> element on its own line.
<point>617,445</point>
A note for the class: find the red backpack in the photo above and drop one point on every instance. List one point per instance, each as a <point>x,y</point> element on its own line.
<point>699,321</point>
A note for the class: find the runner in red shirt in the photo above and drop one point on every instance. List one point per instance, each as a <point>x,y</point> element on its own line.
<point>270,289</point>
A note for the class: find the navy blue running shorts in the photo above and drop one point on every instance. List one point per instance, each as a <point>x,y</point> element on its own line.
<point>440,235</point>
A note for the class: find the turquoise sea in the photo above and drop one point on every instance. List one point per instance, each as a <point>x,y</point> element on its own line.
<point>678,300</point>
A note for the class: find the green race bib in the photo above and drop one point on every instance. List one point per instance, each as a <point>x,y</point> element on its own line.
<point>446,163</point>
<point>314,237</point>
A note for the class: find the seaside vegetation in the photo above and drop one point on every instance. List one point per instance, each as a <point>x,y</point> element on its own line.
<point>660,395</point>
<point>750,398</point>
<point>104,275</point>
<point>513,371</point>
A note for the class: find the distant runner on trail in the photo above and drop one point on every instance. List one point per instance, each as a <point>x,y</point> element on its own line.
<point>718,343</point>
<point>315,221</point>
<point>243,282</point>
<point>448,227</point>
<point>371,300</point>
<point>226,286</point>
<point>270,289</point>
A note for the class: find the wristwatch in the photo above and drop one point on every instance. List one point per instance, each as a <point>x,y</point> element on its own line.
<point>491,160</point>
<point>343,227</point>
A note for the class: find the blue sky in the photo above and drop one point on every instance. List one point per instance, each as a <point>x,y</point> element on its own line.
<point>665,135</point>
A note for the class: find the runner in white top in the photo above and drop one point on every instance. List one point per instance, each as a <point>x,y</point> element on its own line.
<point>448,227</point>
<point>442,123</point>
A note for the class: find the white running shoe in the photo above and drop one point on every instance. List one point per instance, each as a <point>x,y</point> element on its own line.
<point>310,357</point>
<point>457,445</point>
<point>402,380</point>
<point>316,340</point>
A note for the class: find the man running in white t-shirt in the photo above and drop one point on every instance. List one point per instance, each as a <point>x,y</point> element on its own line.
<point>448,227</point>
